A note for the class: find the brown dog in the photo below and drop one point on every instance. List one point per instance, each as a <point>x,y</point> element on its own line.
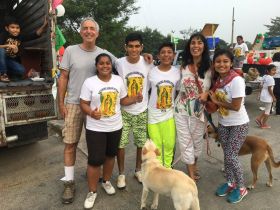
<point>261,152</point>
<point>170,182</point>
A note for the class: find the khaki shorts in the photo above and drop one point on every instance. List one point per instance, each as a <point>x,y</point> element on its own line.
<point>73,124</point>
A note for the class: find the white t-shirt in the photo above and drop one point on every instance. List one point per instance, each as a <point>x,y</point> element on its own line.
<point>239,50</point>
<point>105,96</point>
<point>267,81</point>
<point>135,77</point>
<point>164,85</point>
<point>234,89</point>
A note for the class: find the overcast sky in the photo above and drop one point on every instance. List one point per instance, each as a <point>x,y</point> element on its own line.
<point>168,15</point>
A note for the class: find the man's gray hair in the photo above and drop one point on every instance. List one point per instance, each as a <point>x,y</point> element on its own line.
<point>90,19</point>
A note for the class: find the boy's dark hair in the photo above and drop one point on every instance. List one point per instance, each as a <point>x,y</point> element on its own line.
<point>188,58</point>
<point>276,57</point>
<point>133,37</point>
<point>270,67</point>
<point>166,44</point>
<point>239,36</point>
<point>11,20</point>
<point>225,52</point>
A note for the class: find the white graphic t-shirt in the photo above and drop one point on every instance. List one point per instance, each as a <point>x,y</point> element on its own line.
<point>164,85</point>
<point>135,78</point>
<point>106,97</point>
<point>267,81</point>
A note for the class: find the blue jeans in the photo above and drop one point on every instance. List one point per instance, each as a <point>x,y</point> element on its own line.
<point>9,65</point>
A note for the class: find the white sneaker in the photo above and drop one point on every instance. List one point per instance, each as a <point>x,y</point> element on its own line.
<point>89,202</point>
<point>121,182</point>
<point>138,176</point>
<point>109,189</point>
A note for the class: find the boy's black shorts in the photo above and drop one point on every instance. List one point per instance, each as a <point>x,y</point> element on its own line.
<point>102,144</point>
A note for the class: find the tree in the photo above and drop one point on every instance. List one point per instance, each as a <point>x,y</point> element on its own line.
<point>274,27</point>
<point>112,16</point>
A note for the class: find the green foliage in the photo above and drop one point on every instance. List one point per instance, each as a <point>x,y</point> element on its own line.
<point>152,39</point>
<point>274,27</point>
<point>111,16</point>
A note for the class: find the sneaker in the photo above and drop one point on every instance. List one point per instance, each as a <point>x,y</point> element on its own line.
<point>109,189</point>
<point>121,182</point>
<point>69,192</point>
<point>4,78</point>
<point>224,189</point>
<point>138,176</point>
<point>89,202</point>
<point>265,126</point>
<point>237,195</point>
<point>261,108</point>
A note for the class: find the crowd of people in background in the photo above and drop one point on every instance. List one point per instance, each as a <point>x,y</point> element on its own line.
<point>112,106</point>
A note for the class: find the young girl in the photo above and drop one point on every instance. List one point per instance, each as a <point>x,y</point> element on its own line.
<point>190,122</point>
<point>100,99</point>
<point>228,93</point>
<point>267,96</point>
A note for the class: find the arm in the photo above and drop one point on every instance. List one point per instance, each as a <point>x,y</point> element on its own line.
<point>62,87</point>
<point>40,30</point>
<point>270,90</point>
<point>85,106</point>
<point>234,105</point>
<point>126,101</point>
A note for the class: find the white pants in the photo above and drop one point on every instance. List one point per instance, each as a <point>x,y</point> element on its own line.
<point>190,131</point>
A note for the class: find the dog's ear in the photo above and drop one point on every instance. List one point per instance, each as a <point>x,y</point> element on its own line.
<point>144,151</point>
<point>157,152</point>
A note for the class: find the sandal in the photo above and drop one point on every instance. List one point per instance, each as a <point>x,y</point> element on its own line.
<point>258,122</point>
<point>4,78</point>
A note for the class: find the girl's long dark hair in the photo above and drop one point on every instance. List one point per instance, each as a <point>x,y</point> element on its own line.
<point>205,58</point>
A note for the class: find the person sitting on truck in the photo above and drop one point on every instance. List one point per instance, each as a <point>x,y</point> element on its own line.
<point>240,52</point>
<point>10,43</point>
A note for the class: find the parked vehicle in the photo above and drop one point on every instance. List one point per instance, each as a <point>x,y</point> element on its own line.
<point>27,105</point>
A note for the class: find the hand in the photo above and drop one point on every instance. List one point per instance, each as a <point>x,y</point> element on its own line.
<point>63,110</point>
<point>96,113</point>
<point>203,97</point>
<point>274,99</point>
<point>148,58</point>
<point>213,97</point>
<point>139,97</point>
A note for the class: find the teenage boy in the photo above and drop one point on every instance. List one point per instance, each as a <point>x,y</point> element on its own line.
<point>134,71</point>
<point>164,80</point>
<point>10,43</point>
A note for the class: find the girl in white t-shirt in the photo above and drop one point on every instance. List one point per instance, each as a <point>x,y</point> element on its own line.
<point>100,99</point>
<point>161,124</point>
<point>267,96</point>
<point>228,93</point>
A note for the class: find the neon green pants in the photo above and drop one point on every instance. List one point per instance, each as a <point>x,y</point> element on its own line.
<point>163,135</point>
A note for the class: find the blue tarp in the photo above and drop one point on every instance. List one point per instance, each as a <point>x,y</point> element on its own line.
<point>271,42</point>
<point>212,42</point>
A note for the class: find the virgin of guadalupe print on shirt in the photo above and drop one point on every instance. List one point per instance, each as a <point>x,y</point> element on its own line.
<point>108,103</point>
<point>164,94</point>
<point>134,85</point>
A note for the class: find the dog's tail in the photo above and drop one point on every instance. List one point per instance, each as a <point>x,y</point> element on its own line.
<point>270,153</point>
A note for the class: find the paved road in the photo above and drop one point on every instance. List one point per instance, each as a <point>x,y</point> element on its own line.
<point>29,177</point>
